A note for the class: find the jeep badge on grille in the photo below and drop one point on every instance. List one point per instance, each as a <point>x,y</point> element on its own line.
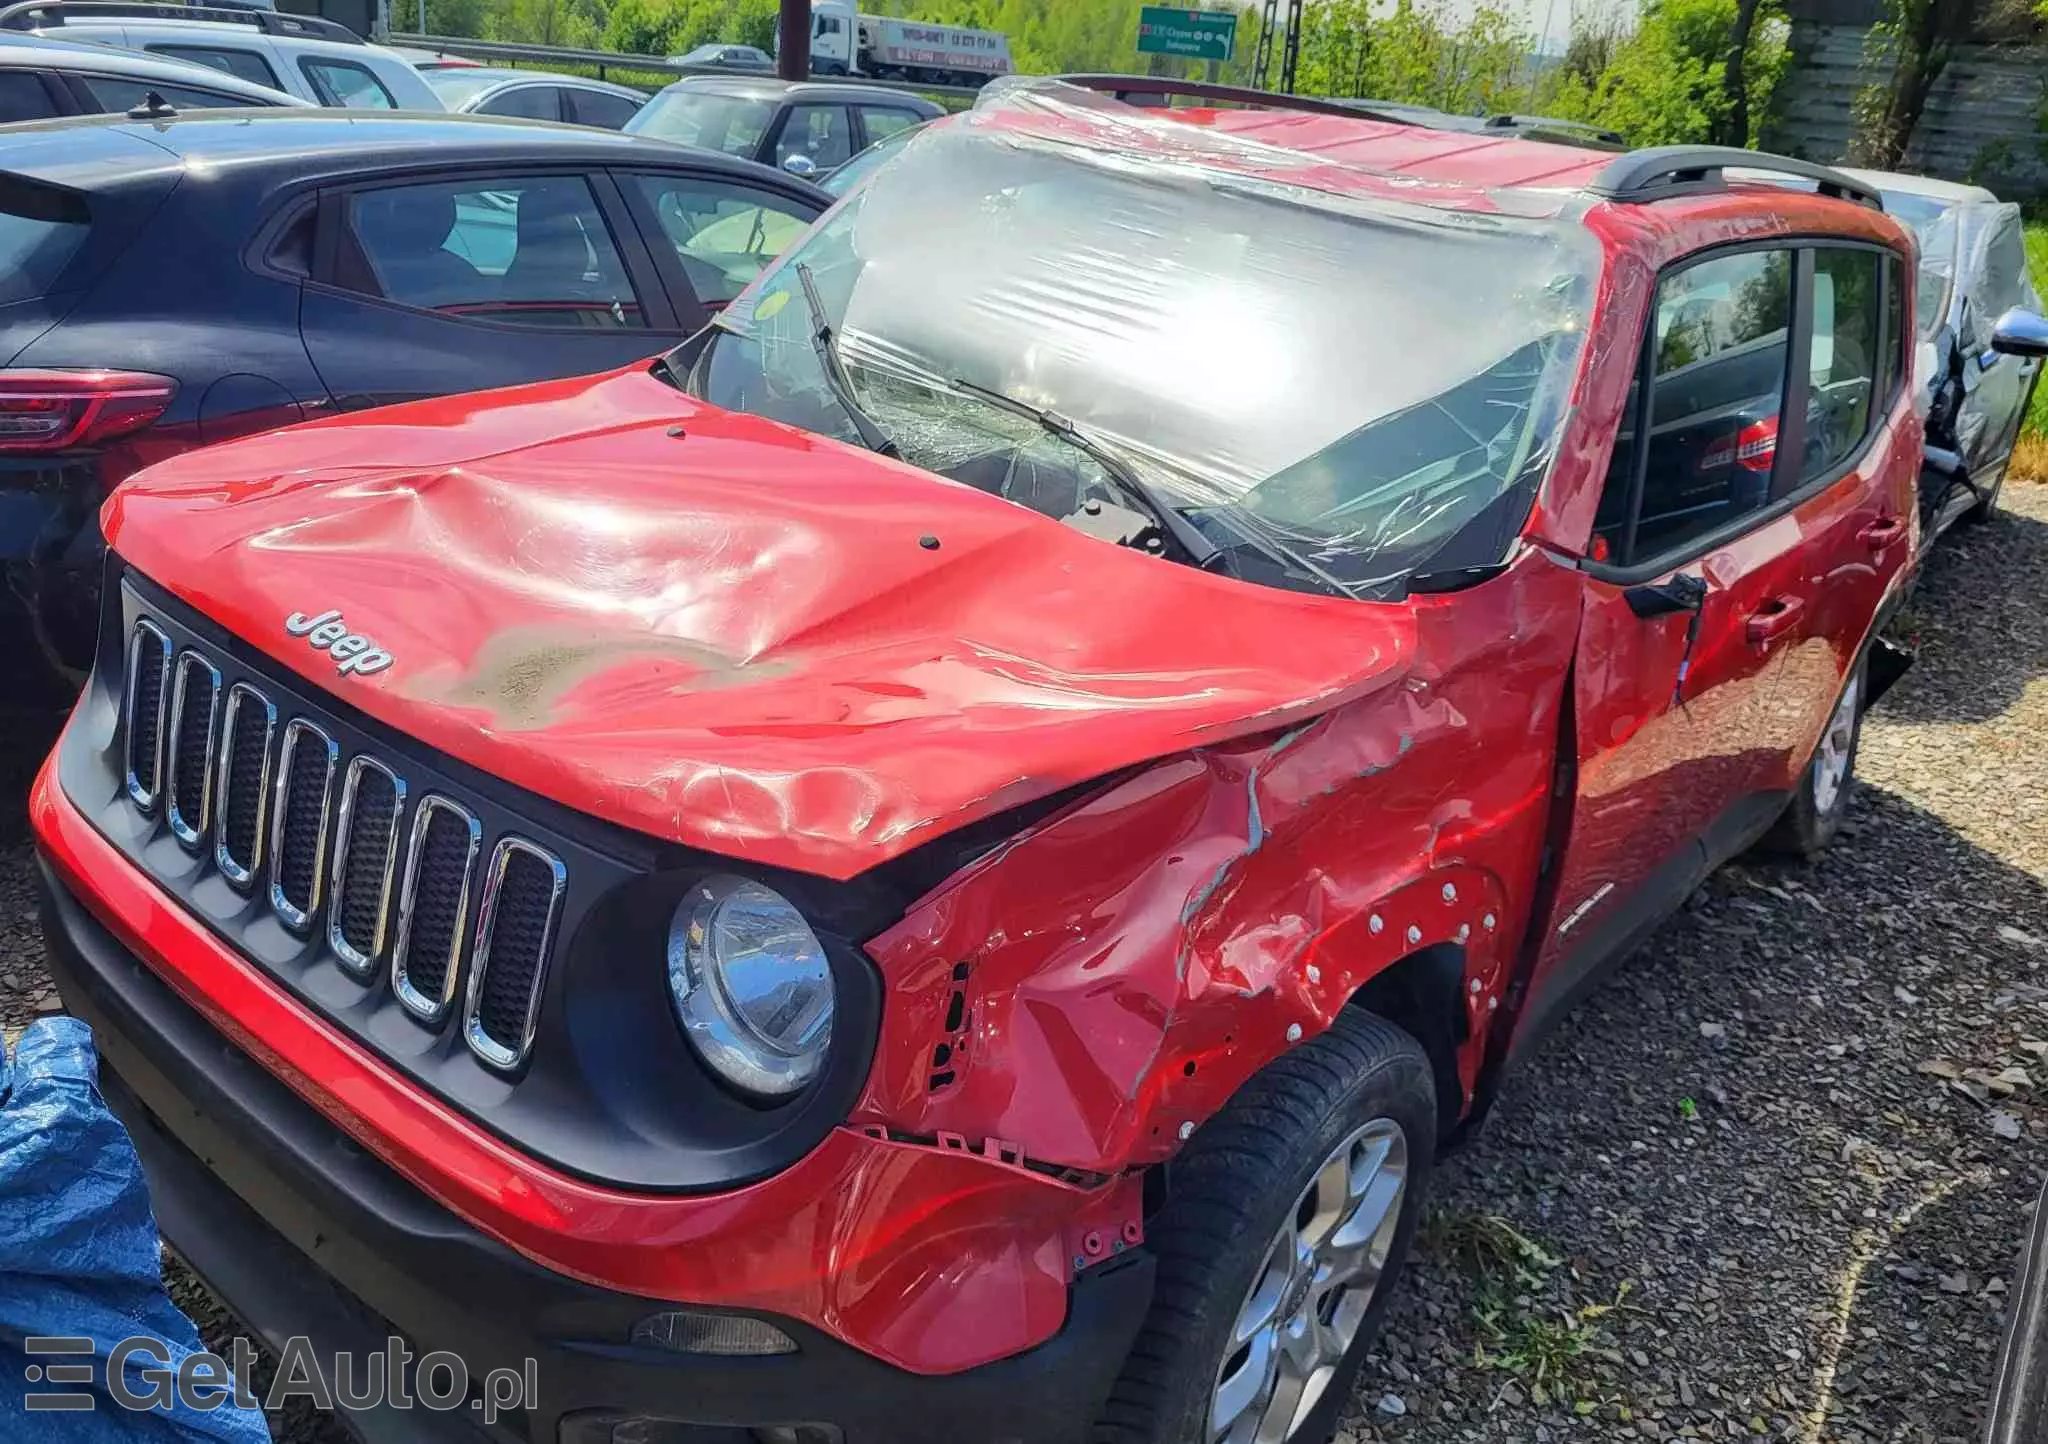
<point>353,653</point>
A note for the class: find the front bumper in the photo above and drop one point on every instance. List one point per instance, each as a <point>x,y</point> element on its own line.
<point>302,1232</point>
<point>2019,1394</point>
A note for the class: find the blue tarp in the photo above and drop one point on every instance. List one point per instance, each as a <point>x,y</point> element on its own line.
<point>79,1260</point>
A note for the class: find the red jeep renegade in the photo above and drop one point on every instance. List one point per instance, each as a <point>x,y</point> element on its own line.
<point>937,864</point>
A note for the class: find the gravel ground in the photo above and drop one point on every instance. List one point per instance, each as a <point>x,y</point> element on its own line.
<point>1777,1147</point>
<point>1771,1181</point>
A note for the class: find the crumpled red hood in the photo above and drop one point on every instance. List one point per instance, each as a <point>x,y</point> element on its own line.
<point>735,635</point>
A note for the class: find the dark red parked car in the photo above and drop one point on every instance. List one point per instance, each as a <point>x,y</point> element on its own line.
<point>939,866</point>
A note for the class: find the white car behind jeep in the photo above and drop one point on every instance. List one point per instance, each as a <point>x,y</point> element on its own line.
<point>319,61</point>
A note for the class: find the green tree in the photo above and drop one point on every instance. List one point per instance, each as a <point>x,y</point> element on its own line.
<point>1693,71</point>
<point>1689,70</point>
<point>1734,92</point>
<point>670,27</point>
<point>578,24</point>
<point>1913,46</point>
<point>444,17</point>
<point>1919,37</point>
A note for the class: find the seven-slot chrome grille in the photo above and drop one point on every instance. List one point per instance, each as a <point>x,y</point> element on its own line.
<point>340,849</point>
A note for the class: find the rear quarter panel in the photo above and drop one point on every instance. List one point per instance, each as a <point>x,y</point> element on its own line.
<point>181,301</point>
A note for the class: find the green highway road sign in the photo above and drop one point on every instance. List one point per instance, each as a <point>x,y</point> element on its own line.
<point>1198,34</point>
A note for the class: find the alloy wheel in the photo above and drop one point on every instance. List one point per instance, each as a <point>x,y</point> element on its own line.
<point>1831,765</point>
<point>1311,1293</point>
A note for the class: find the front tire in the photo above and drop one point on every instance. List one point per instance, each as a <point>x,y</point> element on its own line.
<point>1285,1224</point>
<point>1814,815</point>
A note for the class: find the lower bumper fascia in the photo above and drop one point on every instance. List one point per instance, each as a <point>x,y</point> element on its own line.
<point>301,1232</point>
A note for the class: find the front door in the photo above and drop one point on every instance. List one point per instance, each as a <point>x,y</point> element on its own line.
<point>1698,588</point>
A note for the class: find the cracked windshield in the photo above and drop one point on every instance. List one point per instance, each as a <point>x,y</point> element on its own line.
<point>1322,392</point>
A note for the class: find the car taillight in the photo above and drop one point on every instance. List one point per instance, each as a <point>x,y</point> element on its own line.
<point>1757,446</point>
<point>55,410</point>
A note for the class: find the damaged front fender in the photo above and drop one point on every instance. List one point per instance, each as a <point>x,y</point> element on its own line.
<point>1099,985</point>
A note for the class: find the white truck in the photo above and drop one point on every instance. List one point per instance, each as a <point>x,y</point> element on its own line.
<point>845,42</point>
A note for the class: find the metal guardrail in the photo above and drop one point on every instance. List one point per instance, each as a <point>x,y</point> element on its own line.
<point>603,60</point>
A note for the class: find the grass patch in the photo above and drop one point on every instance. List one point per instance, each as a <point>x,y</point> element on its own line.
<point>2030,459</point>
<point>2030,452</point>
<point>1547,1351</point>
<point>1527,1322</point>
<point>1490,1249</point>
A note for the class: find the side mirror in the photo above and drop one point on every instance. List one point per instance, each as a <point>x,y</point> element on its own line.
<point>1683,593</point>
<point>2020,332</point>
<point>804,166</point>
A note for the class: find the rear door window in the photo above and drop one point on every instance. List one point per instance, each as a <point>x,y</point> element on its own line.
<point>517,251</point>
<point>41,229</point>
<point>599,107</point>
<point>1842,360</point>
<point>116,93</point>
<point>345,83</point>
<point>724,234</point>
<point>527,102</point>
<point>242,64</point>
<point>1718,352</point>
<point>24,96</point>
<point>822,132</point>
<point>883,121</point>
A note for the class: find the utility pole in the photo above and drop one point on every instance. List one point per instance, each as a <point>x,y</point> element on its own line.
<point>792,40</point>
<point>1287,66</point>
<point>1268,23</point>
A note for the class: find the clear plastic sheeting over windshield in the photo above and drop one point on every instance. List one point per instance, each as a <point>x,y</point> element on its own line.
<point>1995,275</point>
<point>1337,390</point>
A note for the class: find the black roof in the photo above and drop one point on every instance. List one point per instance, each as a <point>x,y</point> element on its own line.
<point>87,152</point>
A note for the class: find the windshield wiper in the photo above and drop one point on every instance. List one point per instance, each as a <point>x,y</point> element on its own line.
<point>1197,548</point>
<point>871,435</point>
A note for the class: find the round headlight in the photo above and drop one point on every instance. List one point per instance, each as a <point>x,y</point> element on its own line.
<point>751,986</point>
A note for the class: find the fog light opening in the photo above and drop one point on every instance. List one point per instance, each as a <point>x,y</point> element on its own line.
<point>683,1331</point>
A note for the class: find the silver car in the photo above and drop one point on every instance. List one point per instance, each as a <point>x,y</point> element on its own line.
<point>1973,271</point>
<point>729,57</point>
<point>535,95</point>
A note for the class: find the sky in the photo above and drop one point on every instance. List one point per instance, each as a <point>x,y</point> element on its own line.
<point>1535,14</point>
